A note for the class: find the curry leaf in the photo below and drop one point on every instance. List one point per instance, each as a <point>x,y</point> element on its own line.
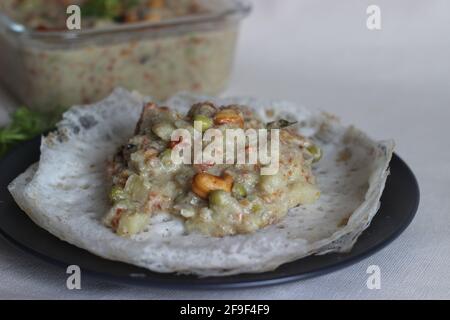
<point>278,124</point>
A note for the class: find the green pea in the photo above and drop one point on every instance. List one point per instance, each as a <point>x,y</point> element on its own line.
<point>218,198</point>
<point>206,122</point>
<point>116,194</point>
<point>315,151</point>
<point>256,208</point>
<point>239,190</point>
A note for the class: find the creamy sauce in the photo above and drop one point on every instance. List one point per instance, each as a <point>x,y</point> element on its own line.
<point>214,199</point>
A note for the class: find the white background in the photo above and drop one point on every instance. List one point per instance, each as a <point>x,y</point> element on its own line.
<point>393,83</point>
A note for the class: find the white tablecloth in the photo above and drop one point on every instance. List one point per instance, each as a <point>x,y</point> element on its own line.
<point>393,83</point>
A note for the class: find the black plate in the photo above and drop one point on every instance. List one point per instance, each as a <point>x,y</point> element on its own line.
<point>398,206</point>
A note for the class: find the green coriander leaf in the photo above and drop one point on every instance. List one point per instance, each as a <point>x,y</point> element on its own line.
<point>109,9</point>
<point>25,125</point>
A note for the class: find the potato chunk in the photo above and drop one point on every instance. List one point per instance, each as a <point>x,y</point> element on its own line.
<point>132,223</point>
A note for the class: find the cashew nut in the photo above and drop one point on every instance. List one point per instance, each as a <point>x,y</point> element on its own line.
<point>226,116</point>
<point>203,183</point>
